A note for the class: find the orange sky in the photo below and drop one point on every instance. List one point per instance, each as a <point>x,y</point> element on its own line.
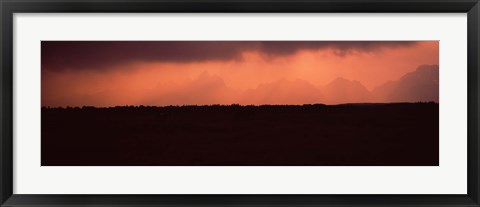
<point>76,75</point>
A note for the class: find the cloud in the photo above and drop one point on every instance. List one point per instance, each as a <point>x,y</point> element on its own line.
<point>101,55</point>
<point>340,47</point>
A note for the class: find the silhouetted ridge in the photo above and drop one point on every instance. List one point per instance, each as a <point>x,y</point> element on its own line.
<point>346,91</point>
<point>419,85</point>
<point>239,106</point>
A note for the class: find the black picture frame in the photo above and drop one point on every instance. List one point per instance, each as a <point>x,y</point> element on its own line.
<point>9,7</point>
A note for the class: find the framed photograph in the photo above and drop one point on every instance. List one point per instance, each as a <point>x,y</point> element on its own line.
<point>239,103</point>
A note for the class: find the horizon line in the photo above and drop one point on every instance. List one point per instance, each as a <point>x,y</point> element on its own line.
<point>237,105</point>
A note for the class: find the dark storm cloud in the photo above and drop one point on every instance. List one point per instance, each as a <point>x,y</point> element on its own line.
<point>98,55</point>
<point>340,47</point>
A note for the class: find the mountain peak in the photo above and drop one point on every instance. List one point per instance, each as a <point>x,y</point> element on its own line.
<point>342,90</point>
<point>343,82</point>
<point>423,68</point>
<point>418,85</point>
<point>340,79</point>
<point>204,74</point>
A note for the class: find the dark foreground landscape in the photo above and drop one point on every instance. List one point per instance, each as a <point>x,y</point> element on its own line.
<point>405,134</point>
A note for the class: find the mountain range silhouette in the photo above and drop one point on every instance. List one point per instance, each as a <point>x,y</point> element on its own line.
<point>421,85</point>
